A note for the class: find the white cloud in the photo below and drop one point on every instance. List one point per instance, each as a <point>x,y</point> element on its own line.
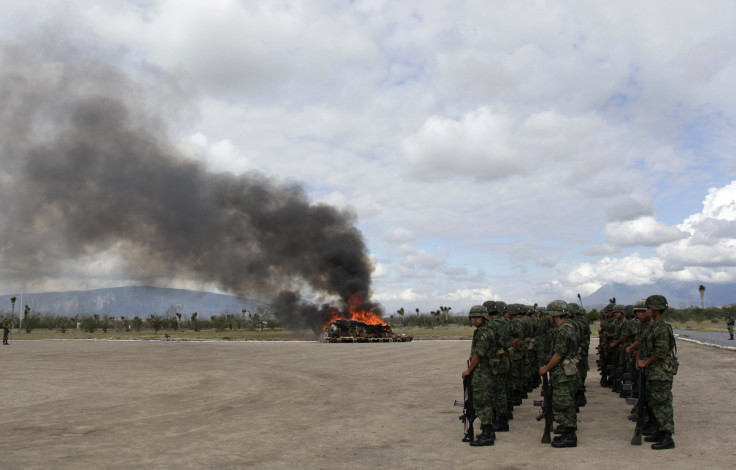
<point>645,231</point>
<point>399,235</point>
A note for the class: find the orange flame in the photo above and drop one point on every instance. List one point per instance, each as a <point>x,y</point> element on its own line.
<point>356,313</point>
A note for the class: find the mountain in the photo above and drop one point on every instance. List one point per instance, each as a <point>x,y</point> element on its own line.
<point>129,301</point>
<point>679,294</point>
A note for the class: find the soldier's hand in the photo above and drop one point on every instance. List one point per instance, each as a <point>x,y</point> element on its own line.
<point>467,372</point>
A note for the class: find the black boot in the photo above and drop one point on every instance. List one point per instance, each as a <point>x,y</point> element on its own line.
<point>567,439</point>
<point>501,425</point>
<point>656,437</point>
<point>486,438</point>
<point>559,429</point>
<point>665,443</point>
<point>580,399</point>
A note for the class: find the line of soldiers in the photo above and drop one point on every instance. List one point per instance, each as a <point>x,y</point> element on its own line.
<point>641,351</point>
<point>513,346</point>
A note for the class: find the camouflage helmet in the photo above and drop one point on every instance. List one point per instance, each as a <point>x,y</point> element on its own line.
<point>557,308</point>
<point>618,308</point>
<point>629,310</point>
<point>640,305</point>
<point>574,309</point>
<point>609,308</point>
<point>656,302</point>
<point>494,307</point>
<point>515,309</point>
<point>478,311</point>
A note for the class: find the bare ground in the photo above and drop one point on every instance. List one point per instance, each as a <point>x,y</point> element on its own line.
<point>226,405</point>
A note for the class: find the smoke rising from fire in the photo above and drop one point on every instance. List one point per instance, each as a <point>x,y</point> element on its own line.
<point>88,168</point>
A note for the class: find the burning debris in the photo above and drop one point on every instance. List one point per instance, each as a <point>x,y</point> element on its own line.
<point>362,327</point>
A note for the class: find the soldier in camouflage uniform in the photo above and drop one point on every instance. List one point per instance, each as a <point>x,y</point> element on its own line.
<point>498,324</point>
<point>563,373</point>
<point>517,359</point>
<point>660,365</point>
<point>603,334</point>
<point>642,319</point>
<point>581,322</point>
<point>616,338</point>
<point>481,368</point>
<point>629,331</point>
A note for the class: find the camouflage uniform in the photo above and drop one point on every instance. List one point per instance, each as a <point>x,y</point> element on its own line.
<point>516,357</point>
<point>483,351</point>
<point>499,398</point>
<point>660,341</point>
<point>564,375</point>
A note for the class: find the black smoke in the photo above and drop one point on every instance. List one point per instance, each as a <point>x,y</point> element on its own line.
<point>88,166</point>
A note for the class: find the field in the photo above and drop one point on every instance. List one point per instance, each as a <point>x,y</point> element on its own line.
<point>248,404</point>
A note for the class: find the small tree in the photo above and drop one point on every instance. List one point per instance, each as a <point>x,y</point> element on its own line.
<point>137,323</point>
<point>702,296</point>
<point>155,322</point>
<point>195,322</point>
<point>27,319</point>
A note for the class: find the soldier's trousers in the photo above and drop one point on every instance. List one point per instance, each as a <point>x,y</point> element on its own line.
<point>659,400</point>
<point>481,383</point>
<point>499,401</point>
<point>563,403</point>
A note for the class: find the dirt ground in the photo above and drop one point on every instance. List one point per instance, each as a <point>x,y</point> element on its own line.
<point>226,405</point>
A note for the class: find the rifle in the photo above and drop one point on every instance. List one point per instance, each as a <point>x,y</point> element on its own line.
<point>468,415</point>
<point>546,409</point>
<point>641,403</point>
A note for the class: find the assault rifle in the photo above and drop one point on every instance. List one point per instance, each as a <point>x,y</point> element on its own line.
<point>468,415</point>
<point>641,403</point>
<point>545,411</point>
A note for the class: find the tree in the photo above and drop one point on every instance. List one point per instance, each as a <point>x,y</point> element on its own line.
<point>401,315</point>
<point>195,323</point>
<point>702,296</point>
<point>12,304</point>
<point>27,319</point>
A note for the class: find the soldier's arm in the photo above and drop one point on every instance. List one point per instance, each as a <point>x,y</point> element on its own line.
<point>473,364</point>
<point>556,359</point>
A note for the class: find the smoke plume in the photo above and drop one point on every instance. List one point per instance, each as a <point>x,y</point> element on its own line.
<point>89,170</point>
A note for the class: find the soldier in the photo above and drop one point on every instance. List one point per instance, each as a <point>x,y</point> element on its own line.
<point>514,348</point>
<point>483,364</point>
<point>660,365</point>
<point>615,339</point>
<point>563,373</point>
<point>7,325</point>
<point>581,322</point>
<point>729,325</point>
<point>497,322</point>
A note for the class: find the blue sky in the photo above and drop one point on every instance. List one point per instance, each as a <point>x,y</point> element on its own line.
<point>523,151</point>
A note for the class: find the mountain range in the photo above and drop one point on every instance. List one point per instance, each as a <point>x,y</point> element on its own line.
<point>129,301</point>
<point>679,294</point>
<point>144,301</point>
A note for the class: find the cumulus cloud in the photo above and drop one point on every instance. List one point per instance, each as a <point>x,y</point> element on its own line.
<point>712,240</point>
<point>399,235</point>
<point>630,208</point>
<point>645,231</point>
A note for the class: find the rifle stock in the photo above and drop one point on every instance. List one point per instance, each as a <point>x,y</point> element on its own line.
<point>468,416</point>
<point>641,403</point>
<point>547,409</point>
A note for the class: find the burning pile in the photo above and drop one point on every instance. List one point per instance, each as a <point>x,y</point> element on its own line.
<point>361,327</point>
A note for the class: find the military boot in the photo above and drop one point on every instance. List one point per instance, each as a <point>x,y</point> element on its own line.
<point>656,437</point>
<point>567,439</point>
<point>665,443</point>
<point>486,438</point>
<point>501,425</point>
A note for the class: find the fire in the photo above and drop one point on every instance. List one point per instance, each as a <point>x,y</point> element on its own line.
<point>356,314</point>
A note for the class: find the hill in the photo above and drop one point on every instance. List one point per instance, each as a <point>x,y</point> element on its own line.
<point>129,301</point>
<point>679,294</point>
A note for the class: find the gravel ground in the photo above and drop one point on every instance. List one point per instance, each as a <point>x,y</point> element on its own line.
<point>80,405</point>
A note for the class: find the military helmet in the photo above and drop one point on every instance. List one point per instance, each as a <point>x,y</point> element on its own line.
<point>618,308</point>
<point>640,305</point>
<point>478,311</point>
<point>574,309</point>
<point>656,302</point>
<point>629,310</point>
<point>493,307</point>
<point>557,308</point>
<point>609,308</point>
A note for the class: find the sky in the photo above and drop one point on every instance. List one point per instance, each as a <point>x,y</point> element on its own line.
<point>521,151</point>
